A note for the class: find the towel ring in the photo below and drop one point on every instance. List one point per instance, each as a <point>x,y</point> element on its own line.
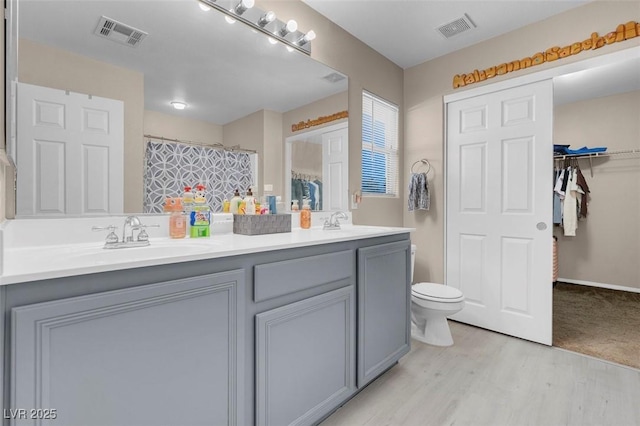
<point>423,161</point>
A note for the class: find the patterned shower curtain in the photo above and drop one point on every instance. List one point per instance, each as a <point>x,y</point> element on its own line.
<point>169,167</point>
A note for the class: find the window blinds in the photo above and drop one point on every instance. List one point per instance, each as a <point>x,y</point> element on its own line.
<point>379,146</point>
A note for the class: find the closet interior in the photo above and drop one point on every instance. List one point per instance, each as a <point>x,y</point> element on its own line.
<point>596,131</point>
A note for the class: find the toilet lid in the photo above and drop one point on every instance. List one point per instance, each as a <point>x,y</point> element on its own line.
<point>436,291</point>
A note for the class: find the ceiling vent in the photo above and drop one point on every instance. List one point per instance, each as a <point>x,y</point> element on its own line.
<point>119,32</point>
<point>334,77</point>
<point>456,27</point>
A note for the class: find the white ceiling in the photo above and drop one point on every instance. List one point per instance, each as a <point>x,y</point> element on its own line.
<point>405,31</point>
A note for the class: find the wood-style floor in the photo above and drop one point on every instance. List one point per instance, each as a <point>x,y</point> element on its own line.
<point>488,378</point>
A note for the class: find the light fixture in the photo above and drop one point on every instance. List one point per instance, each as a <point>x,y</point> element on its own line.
<point>243,5</point>
<point>265,22</point>
<point>204,7</point>
<point>289,27</point>
<point>178,104</point>
<point>267,18</point>
<point>311,35</point>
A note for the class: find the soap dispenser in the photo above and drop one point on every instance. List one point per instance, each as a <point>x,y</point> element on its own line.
<point>177,222</point>
<point>305,215</point>
<point>250,202</point>
<point>235,202</point>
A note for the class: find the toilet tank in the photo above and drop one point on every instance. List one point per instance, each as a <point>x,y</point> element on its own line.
<point>413,260</point>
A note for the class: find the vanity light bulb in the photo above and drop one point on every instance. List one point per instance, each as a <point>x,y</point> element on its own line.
<point>291,26</point>
<point>267,18</point>
<point>204,7</point>
<point>178,105</point>
<point>243,6</point>
<point>311,35</point>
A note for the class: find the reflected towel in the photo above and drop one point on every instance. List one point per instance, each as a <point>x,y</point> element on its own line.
<point>419,198</point>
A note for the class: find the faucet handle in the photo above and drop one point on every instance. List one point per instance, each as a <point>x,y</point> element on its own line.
<point>111,236</point>
<point>142,235</point>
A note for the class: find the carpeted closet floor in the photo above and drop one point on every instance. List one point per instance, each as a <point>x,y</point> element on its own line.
<point>599,322</point>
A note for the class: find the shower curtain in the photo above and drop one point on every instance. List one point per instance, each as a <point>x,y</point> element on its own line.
<point>169,167</point>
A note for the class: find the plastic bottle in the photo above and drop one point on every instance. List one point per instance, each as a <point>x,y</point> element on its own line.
<point>305,215</point>
<point>177,221</point>
<point>187,200</point>
<point>280,208</point>
<point>226,205</point>
<point>235,202</point>
<point>250,202</point>
<point>294,206</point>
<point>200,218</point>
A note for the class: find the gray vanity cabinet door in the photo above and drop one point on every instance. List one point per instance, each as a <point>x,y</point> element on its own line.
<point>383,307</point>
<point>305,358</point>
<point>159,354</point>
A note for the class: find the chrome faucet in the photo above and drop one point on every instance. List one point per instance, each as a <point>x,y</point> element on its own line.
<point>332,222</point>
<point>131,223</point>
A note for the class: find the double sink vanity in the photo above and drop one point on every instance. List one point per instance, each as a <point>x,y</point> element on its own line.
<point>270,330</point>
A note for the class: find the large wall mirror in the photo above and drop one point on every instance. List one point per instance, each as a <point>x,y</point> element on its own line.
<point>240,89</point>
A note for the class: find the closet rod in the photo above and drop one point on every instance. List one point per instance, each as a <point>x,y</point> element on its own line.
<point>631,153</point>
<point>202,144</point>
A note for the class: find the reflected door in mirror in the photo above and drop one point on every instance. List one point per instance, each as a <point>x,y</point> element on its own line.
<point>70,155</point>
<point>335,150</point>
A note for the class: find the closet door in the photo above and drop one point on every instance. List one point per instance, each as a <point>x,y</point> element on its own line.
<point>498,232</point>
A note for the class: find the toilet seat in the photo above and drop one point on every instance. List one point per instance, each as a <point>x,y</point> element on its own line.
<point>437,293</point>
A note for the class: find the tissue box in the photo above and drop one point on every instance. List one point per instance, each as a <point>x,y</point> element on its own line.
<point>259,224</point>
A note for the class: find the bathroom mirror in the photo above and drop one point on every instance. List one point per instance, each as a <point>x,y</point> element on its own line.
<point>224,72</point>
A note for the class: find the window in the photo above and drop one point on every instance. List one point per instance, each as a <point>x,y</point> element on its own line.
<point>379,146</point>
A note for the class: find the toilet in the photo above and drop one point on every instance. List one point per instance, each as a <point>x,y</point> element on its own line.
<point>431,304</point>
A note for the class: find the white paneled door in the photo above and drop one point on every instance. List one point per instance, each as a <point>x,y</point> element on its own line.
<point>499,230</point>
<point>69,153</point>
<point>335,166</point>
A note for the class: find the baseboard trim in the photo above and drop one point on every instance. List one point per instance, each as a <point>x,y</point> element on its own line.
<point>601,285</point>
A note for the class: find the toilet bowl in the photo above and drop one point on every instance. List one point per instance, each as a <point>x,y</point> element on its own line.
<point>431,304</point>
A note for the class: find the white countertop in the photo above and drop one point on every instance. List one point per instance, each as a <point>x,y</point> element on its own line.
<point>22,264</point>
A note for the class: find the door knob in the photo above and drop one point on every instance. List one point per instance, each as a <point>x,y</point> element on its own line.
<point>541,226</point>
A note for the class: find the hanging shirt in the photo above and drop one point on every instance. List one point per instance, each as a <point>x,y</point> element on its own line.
<point>559,181</point>
<point>570,212</point>
<point>582,183</point>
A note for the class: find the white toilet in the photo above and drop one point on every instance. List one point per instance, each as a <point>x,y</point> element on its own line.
<point>430,305</point>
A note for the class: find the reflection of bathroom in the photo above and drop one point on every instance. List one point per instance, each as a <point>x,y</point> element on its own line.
<point>260,132</point>
<point>306,172</point>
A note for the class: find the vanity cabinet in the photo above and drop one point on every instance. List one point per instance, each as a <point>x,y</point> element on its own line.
<point>305,358</point>
<point>384,307</point>
<point>158,354</point>
<point>305,349</point>
<point>278,337</point>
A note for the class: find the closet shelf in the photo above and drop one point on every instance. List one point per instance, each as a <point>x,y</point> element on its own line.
<point>628,153</point>
<point>623,153</point>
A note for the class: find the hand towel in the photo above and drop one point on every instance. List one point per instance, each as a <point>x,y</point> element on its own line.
<point>419,198</point>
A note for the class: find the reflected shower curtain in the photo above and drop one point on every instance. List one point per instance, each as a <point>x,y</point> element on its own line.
<point>169,167</point>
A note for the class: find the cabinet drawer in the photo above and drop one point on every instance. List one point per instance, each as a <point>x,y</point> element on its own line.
<point>280,278</point>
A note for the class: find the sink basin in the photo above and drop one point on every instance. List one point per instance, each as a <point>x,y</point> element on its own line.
<point>152,251</point>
